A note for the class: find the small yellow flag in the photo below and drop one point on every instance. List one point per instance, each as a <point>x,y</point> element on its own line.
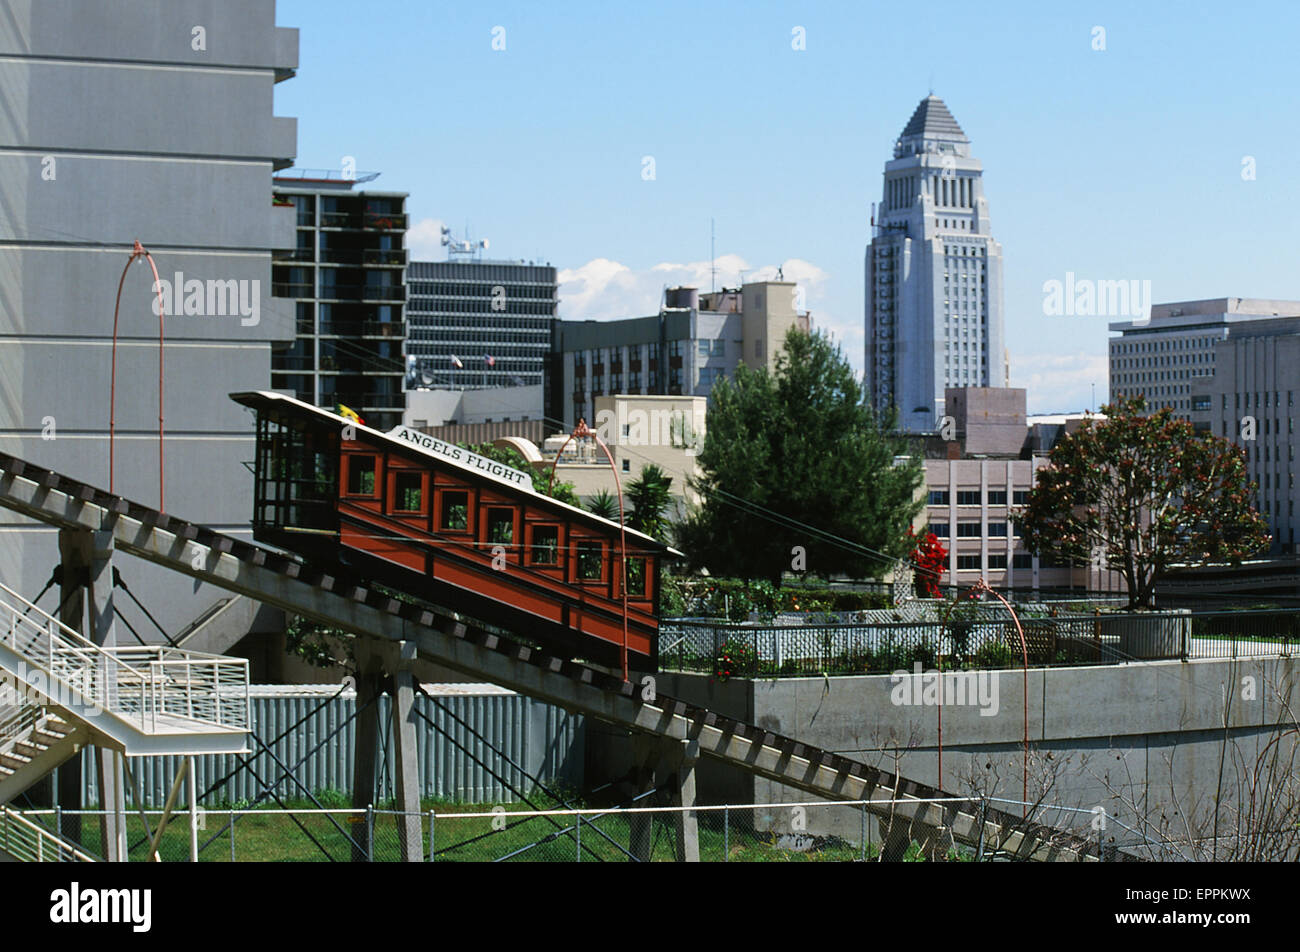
<point>349,414</point>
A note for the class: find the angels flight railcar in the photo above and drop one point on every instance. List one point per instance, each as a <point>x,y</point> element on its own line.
<point>453,527</point>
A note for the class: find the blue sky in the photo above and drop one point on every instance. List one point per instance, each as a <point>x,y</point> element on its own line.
<point>1122,163</point>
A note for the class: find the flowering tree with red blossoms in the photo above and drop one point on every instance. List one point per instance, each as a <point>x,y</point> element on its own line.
<point>930,558</point>
<point>1145,493</point>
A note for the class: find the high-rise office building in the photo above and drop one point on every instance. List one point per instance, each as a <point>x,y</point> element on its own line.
<point>117,127</point>
<point>346,276</point>
<point>478,323</point>
<point>934,315</point>
<point>695,339</point>
<point>1165,357</point>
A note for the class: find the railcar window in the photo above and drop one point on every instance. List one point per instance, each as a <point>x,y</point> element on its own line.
<point>501,526</point>
<point>361,476</point>
<point>546,545</point>
<point>455,511</point>
<point>589,560</point>
<point>409,493</point>
<point>636,576</point>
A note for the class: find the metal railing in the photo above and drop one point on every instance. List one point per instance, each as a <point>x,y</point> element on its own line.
<point>137,684</point>
<point>30,842</point>
<point>726,650</point>
<point>17,721</point>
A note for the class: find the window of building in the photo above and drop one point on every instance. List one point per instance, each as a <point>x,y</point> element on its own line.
<point>455,511</point>
<point>546,545</point>
<point>938,497</point>
<point>501,526</point>
<point>968,530</point>
<point>997,561</point>
<point>940,529</point>
<point>997,497</point>
<point>1020,497</point>
<point>408,497</point>
<point>361,476</point>
<point>968,497</point>
<point>1022,560</point>
<point>589,560</point>
<point>968,562</point>
<point>636,577</point>
<point>997,530</point>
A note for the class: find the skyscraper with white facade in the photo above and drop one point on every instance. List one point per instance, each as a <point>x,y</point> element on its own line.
<point>933,275</point>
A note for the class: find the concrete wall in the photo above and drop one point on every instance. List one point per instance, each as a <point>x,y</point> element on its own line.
<point>1140,735</point>
<point>118,121</point>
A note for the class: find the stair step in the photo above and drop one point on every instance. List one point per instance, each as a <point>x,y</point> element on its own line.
<point>17,763</point>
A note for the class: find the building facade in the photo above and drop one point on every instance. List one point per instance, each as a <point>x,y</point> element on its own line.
<point>934,311</point>
<point>121,123</point>
<point>1251,400</point>
<point>1166,357</point>
<point>346,278</point>
<point>692,342</point>
<point>473,324</point>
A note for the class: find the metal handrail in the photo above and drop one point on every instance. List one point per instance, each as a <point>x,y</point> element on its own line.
<point>136,683</point>
<point>32,843</point>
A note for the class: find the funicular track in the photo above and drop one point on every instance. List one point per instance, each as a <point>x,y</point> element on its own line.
<point>288,584</point>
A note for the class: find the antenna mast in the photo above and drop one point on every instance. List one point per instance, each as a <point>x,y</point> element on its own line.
<point>713,259</point>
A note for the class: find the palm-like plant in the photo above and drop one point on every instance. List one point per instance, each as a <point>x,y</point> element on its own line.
<point>603,504</point>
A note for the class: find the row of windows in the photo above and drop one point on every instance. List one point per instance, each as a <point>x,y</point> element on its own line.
<point>1018,561</point>
<point>972,497</point>
<point>453,517</point>
<point>483,289</point>
<point>971,530</point>
<point>426,305</point>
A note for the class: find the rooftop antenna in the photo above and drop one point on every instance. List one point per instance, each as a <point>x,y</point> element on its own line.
<point>455,246</point>
<point>713,259</point>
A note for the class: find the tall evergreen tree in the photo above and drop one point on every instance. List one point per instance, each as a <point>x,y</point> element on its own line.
<point>796,461</point>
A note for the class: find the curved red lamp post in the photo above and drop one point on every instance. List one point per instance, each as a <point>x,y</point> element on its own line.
<point>137,252</point>
<point>983,586</point>
<point>579,432</point>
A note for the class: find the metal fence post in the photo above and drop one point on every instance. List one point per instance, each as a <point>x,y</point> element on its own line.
<point>579,829</point>
<point>58,827</point>
<point>979,846</point>
<point>726,834</point>
<point>431,853</point>
<point>232,835</point>
<point>370,833</point>
<point>863,808</point>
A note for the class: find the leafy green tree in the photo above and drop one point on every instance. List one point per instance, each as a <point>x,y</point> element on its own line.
<point>541,478</point>
<point>797,458</point>
<point>1144,492</point>
<point>649,498</point>
<point>604,504</point>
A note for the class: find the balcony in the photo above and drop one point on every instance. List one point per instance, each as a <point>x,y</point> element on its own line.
<point>376,257</point>
<point>363,292</point>
<point>285,289</point>
<point>385,329</point>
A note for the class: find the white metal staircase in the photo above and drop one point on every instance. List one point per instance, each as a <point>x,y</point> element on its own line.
<point>60,691</point>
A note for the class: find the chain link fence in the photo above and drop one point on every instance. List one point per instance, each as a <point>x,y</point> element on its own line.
<point>748,833</point>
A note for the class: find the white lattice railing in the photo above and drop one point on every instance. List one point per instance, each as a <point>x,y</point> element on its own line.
<point>137,684</point>
<point>32,843</point>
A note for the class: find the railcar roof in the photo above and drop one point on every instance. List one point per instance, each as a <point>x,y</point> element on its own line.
<point>270,400</point>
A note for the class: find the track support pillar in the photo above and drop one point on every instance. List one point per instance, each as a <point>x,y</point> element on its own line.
<point>407,765</point>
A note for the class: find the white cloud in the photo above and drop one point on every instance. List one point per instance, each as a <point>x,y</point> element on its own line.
<point>605,290</point>
<point>424,240</point>
<point>1061,382</point>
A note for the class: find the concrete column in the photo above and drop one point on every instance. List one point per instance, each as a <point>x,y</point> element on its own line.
<point>87,562</point>
<point>112,800</point>
<point>407,756</point>
<point>74,553</point>
<point>686,822</point>
<point>369,687</point>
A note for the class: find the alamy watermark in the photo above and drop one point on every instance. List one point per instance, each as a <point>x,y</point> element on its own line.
<point>948,688</point>
<point>210,298</point>
<point>1084,297</point>
<point>637,427</point>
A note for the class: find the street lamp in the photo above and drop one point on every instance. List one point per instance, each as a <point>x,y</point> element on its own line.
<point>582,431</point>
